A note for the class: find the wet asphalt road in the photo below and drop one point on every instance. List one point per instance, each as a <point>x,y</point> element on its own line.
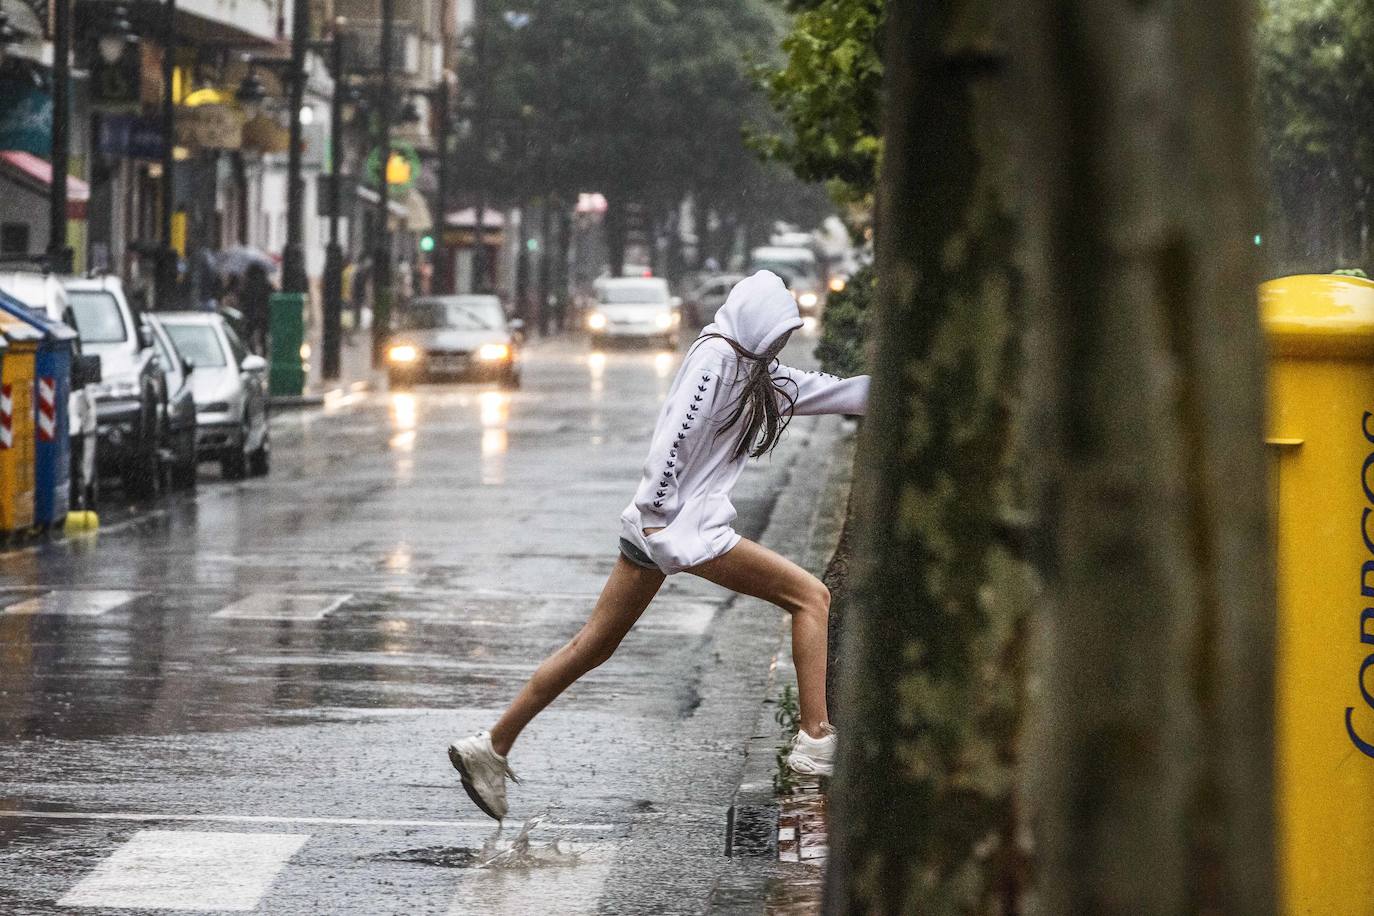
<point>240,701</point>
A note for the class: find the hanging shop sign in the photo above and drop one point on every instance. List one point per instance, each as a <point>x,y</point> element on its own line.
<point>262,134</point>
<point>130,136</point>
<point>209,127</point>
<point>25,116</point>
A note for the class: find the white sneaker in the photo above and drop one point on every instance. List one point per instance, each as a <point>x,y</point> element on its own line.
<point>483,772</point>
<point>813,756</point>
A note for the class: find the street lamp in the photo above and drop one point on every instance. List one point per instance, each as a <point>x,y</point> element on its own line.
<point>333,252</point>
<point>381,263</point>
<point>293,276</point>
<point>165,266</point>
<point>59,253</point>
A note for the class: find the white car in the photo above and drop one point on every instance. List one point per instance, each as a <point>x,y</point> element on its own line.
<point>799,269</point>
<point>230,389</point>
<point>44,293</point>
<point>634,307</point>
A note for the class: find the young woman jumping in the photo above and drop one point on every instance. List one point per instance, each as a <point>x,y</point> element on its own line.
<point>730,401</point>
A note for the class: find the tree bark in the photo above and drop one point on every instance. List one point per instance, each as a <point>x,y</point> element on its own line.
<point>923,809</point>
<point>1150,757</point>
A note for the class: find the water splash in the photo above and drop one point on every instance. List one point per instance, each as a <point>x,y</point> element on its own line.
<point>521,853</point>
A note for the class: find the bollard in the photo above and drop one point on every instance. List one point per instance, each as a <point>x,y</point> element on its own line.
<point>1320,331</point>
<point>286,337</point>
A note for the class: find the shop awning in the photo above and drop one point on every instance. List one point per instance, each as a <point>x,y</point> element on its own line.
<point>28,169</point>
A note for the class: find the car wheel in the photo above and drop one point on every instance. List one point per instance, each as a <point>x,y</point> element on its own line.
<point>510,379</point>
<point>260,461</point>
<point>397,380</point>
<point>234,465</point>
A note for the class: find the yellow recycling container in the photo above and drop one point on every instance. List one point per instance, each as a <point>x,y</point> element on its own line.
<point>1321,436</point>
<point>16,425</point>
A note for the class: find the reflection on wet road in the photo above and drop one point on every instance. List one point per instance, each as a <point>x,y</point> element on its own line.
<point>241,701</point>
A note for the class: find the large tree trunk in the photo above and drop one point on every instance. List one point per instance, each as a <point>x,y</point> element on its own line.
<point>1151,769</point>
<point>923,812</point>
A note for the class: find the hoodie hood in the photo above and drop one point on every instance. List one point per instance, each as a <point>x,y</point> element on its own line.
<point>758,311</point>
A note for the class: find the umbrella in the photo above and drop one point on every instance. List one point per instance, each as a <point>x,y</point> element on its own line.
<point>236,260</point>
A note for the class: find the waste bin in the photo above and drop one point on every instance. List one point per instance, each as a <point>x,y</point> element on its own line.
<point>16,426</point>
<point>286,333</point>
<point>1320,331</point>
<point>52,431</point>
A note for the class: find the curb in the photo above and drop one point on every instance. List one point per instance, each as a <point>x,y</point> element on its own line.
<point>319,399</point>
<point>825,510</point>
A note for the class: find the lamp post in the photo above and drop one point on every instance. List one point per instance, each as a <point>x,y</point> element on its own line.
<point>381,263</point>
<point>294,279</point>
<point>165,267</point>
<point>59,253</point>
<point>333,252</point>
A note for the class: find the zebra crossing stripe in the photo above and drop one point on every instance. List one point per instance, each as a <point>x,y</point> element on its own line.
<point>72,603</point>
<point>46,411</point>
<point>187,870</point>
<point>278,606</point>
<point>6,416</point>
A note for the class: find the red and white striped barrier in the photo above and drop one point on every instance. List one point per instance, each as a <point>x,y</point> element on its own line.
<point>46,412</point>
<point>6,417</point>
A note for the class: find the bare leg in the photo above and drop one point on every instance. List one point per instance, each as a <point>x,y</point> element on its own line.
<point>623,599</point>
<point>751,569</point>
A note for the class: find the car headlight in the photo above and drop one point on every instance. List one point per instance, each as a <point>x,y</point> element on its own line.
<point>215,407</point>
<point>837,284</point>
<point>123,388</point>
<point>596,321</point>
<point>806,300</point>
<point>493,351</point>
<point>402,353</point>
<point>665,320</point>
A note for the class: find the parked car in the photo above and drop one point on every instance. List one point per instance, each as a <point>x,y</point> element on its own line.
<point>701,304</point>
<point>44,293</point>
<point>229,385</point>
<point>634,308</point>
<point>462,336</point>
<point>799,269</point>
<point>131,398</point>
<point>179,418</point>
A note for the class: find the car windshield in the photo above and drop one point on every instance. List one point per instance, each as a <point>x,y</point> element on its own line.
<point>460,313</point>
<point>791,272</point>
<point>197,342</point>
<point>98,319</point>
<point>636,293</point>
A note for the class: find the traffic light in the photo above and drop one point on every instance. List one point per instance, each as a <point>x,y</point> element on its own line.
<point>426,243</point>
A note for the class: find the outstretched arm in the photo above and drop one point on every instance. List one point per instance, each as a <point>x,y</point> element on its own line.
<point>819,392</point>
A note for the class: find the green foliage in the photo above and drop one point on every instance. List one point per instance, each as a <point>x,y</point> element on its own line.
<point>828,93</point>
<point>842,348</point>
<point>788,717</point>
<point>1316,68</point>
<point>643,100</point>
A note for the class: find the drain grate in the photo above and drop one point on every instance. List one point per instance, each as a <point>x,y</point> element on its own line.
<point>751,831</point>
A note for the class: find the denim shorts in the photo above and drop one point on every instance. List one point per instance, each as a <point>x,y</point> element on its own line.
<point>630,551</point>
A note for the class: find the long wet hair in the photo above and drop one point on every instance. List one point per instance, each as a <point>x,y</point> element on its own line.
<point>764,407</point>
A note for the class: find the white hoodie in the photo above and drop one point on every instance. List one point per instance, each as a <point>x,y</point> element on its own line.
<point>690,470</point>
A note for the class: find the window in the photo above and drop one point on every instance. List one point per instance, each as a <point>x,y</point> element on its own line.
<point>14,238</point>
<point>98,318</point>
<point>197,342</point>
<point>236,345</point>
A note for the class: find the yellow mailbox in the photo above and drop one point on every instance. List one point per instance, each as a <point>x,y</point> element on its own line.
<point>1321,434</point>
<point>16,425</point>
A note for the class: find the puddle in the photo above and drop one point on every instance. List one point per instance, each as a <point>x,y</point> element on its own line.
<point>497,852</point>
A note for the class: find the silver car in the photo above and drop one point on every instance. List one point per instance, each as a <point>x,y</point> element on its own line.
<point>230,389</point>
<point>634,307</point>
<point>463,336</point>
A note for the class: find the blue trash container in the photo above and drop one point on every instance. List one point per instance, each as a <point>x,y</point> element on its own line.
<point>52,434</point>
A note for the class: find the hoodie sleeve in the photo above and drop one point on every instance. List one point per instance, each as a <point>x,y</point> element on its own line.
<point>818,392</point>
<point>682,430</point>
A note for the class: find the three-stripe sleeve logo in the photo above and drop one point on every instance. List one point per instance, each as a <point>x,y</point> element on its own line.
<point>45,414</point>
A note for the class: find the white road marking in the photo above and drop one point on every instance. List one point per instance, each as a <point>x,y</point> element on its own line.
<point>139,816</point>
<point>572,888</point>
<point>187,870</point>
<point>279,606</point>
<point>73,603</point>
